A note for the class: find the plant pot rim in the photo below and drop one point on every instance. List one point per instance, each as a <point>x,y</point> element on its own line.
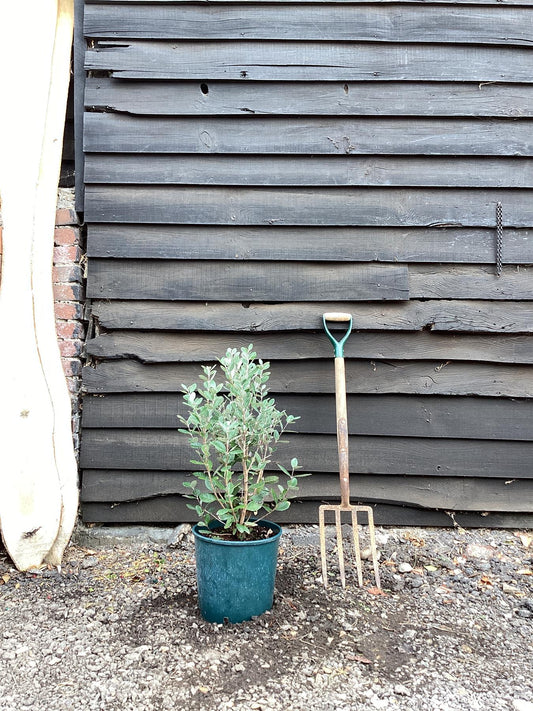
<point>197,528</point>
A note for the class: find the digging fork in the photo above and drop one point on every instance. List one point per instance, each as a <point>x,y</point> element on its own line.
<point>344,472</point>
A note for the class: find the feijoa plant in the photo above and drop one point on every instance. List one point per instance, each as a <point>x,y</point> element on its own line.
<point>234,428</point>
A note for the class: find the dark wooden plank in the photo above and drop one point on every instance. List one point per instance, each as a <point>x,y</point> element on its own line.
<point>310,170</point>
<point>173,510</point>
<point>120,133</point>
<point>338,244</point>
<point>368,377</point>
<point>371,207</point>
<point>390,415</point>
<point>149,347</point>
<point>309,61</point>
<point>169,450</point>
<point>360,23</point>
<point>467,494</point>
<point>516,283</point>
<point>434,315</point>
<point>330,98</point>
<point>248,281</point>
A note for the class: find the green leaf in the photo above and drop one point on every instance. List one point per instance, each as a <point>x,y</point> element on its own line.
<point>283,505</point>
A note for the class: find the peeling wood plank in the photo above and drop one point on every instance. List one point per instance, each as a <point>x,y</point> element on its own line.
<point>149,347</point>
<point>173,509</point>
<point>219,98</point>
<point>325,244</point>
<point>359,23</point>
<point>297,60</point>
<point>436,315</point>
<point>451,493</point>
<point>386,415</point>
<point>365,377</point>
<point>112,168</point>
<point>169,450</point>
<point>248,281</point>
<point>371,207</point>
<point>341,136</point>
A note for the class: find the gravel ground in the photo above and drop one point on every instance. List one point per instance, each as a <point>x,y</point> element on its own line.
<point>118,628</point>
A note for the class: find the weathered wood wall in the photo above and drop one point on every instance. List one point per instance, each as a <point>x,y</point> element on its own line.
<point>249,165</point>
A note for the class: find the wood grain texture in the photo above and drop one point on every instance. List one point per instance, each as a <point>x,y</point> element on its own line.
<point>388,415</point>
<point>365,377</point>
<point>173,510</point>
<point>498,3</point>
<point>309,170</point>
<point>463,282</point>
<point>237,98</point>
<point>341,136</point>
<point>371,207</point>
<point>309,61</point>
<point>453,493</point>
<point>359,23</point>
<point>324,244</point>
<point>435,315</point>
<point>149,347</point>
<point>247,281</point>
<point>169,450</point>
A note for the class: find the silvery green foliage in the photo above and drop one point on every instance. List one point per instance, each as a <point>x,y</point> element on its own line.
<point>234,427</point>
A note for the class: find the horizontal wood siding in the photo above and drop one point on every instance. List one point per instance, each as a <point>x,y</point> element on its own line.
<point>250,165</point>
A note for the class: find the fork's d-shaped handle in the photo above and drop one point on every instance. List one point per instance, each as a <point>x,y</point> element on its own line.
<point>338,345</point>
<point>340,402</point>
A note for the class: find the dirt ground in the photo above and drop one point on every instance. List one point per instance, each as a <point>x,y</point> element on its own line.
<point>119,628</point>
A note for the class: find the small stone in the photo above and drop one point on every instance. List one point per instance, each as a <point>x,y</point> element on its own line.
<point>416,582</point>
<point>401,690</point>
<point>89,562</point>
<point>405,568</point>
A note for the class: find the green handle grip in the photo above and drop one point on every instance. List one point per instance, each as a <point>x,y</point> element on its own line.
<point>337,345</point>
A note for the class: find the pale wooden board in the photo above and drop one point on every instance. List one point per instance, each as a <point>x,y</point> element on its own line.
<point>30,490</point>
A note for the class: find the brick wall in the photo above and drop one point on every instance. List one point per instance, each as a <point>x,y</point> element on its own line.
<point>69,298</point>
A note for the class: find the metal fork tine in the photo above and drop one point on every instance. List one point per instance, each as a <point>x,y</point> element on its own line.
<point>373,546</point>
<point>358,565</point>
<point>322,529</point>
<point>340,547</point>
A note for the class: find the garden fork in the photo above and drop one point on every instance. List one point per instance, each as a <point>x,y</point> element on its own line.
<point>344,472</point>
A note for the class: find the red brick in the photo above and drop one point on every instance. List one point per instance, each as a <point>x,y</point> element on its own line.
<point>70,349</point>
<point>69,330</point>
<point>68,311</point>
<point>66,216</point>
<point>66,254</point>
<point>66,273</point>
<point>68,292</point>
<point>66,235</point>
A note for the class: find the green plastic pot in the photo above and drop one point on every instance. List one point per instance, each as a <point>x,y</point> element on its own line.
<point>235,578</point>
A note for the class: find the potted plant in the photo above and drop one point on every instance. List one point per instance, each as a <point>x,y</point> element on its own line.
<point>233,428</point>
